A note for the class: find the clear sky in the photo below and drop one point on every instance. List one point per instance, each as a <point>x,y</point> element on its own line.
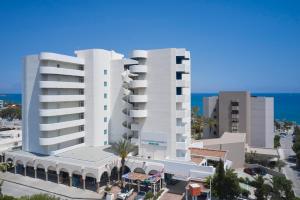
<point>235,45</point>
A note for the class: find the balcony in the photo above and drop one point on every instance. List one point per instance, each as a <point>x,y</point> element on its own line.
<point>139,54</point>
<point>138,98</point>
<point>61,58</point>
<point>61,125</point>
<point>183,68</point>
<point>182,83</point>
<point>61,71</point>
<point>181,113</point>
<point>61,111</point>
<point>138,113</point>
<point>135,127</point>
<point>138,84</point>
<point>182,98</point>
<point>180,129</point>
<point>138,68</point>
<point>182,145</point>
<point>61,84</point>
<point>61,98</point>
<point>61,139</point>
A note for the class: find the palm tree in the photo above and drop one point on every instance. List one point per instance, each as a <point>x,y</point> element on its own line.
<point>123,148</point>
<point>195,111</point>
<point>210,123</point>
<point>3,168</point>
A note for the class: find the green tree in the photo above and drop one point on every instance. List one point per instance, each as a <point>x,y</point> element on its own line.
<point>195,111</point>
<point>282,188</point>
<point>11,113</point>
<point>277,141</point>
<point>225,183</point>
<point>262,189</point>
<point>123,148</point>
<point>210,123</point>
<point>39,197</point>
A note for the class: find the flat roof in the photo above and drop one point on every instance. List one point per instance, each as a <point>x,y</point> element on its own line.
<point>204,152</point>
<point>226,138</point>
<point>262,151</point>
<point>197,160</point>
<point>83,156</point>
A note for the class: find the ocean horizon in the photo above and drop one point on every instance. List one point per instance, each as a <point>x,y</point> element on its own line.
<point>286,105</point>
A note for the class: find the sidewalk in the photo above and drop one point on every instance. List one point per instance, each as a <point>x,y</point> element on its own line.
<point>30,186</point>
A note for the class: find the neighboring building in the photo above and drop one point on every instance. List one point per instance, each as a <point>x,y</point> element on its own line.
<point>238,112</point>
<point>1,104</point>
<point>9,139</point>
<point>262,122</point>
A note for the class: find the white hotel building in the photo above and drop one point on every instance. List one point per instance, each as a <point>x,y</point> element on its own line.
<point>75,106</point>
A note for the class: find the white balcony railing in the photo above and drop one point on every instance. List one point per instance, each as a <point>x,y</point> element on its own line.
<point>138,98</point>
<point>138,68</point>
<point>61,71</point>
<point>61,111</point>
<point>61,98</point>
<point>138,113</point>
<point>61,125</point>
<point>61,139</point>
<point>61,84</point>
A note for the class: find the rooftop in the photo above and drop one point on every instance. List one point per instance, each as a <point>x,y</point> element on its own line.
<point>203,152</point>
<point>263,151</point>
<point>226,138</point>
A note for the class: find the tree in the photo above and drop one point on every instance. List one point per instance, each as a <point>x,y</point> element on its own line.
<point>282,188</point>
<point>262,189</point>
<point>195,111</point>
<point>225,184</point>
<point>123,148</point>
<point>11,113</point>
<point>210,123</point>
<point>276,141</point>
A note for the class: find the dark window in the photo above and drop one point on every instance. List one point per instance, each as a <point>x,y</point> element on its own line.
<point>234,112</point>
<point>178,91</point>
<point>234,103</point>
<point>178,76</point>
<point>179,59</point>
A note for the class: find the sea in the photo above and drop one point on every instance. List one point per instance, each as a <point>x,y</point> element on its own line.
<point>286,105</point>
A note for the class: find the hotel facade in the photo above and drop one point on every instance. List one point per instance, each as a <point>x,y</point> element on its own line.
<point>74,107</point>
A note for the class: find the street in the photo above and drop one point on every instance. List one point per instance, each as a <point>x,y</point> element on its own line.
<point>287,154</point>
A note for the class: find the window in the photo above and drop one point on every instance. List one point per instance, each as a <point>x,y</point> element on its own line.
<point>178,76</point>
<point>58,66</point>
<point>105,131</point>
<point>105,119</point>
<point>178,91</point>
<point>179,59</point>
<point>105,72</point>
<point>105,107</point>
<point>105,95</point>
<point>105,142</point>
<point>105,83</point>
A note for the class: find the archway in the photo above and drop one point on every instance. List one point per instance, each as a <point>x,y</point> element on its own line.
<point>20,167</point>
<point>40,172</point>
<point>30,169</point>
<point>52,174</point>
<point>139,170</point>
<point>104,179</point>
<point>114,174</point>
<point>64,177</point>
<point>11,167</point>
<point>90,182</point>
<point>126,170</point>
<point>77,180</point>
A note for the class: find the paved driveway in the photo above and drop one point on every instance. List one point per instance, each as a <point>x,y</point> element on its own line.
<point>286,153</point>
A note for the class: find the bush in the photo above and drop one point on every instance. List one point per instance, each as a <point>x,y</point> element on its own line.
<point>245,193</point>
<point>149,195</point>
<point>39,197</point>
<point>158,194</point>
<point>7,198</point>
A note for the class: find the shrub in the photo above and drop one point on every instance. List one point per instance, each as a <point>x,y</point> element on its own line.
<point>149,195</point>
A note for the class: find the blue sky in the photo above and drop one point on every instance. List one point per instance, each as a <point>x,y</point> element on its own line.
<point>235,45</point>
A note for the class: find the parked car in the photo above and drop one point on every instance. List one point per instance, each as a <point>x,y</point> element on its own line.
<point>124,194</point>
<point>260,171</point>
<point>249,171</point>
<point>140,196</point>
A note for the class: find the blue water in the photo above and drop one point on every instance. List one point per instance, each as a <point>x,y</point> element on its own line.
<point>286,105</point>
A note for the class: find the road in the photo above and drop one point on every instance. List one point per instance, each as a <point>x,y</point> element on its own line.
<point>287,154</point>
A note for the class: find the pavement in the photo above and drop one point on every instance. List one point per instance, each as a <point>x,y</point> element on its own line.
<point>18,185</point>
<point>286,153</point>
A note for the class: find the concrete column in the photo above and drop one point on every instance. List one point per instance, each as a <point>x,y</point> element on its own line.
<point>35,173</point>
<point>97,187</point>
<point>70,177</point>
<point>46,173</point>
<point>83,184</point>
<point>15,169</point>
<point>25,171</point>
<point>57,178</point>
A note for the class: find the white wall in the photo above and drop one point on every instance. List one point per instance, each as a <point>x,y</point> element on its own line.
<point>262,122</point>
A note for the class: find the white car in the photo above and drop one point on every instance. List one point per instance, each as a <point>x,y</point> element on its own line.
<point>124,194</point>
